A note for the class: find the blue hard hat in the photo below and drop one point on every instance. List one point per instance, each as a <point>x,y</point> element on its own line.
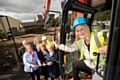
<point>78,21</point>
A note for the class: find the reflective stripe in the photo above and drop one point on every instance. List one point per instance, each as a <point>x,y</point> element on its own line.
<point>80,44</point>
<point>97,40</point>
<point>81,49</point>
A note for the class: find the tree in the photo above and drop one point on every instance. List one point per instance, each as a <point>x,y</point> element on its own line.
<point>56,22</point>
<point>102,16</point>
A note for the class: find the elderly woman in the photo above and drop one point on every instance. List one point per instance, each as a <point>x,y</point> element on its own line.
<point>31,62</point>
<point>52,64</point>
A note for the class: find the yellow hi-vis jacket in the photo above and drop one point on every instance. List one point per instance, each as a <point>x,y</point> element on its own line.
<point>80,44</point>
<point>94,47</point>
<point>49,42</point>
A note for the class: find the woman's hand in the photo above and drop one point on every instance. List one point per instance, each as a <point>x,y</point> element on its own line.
<point>56,44</point>
<point>102,50</point>
<point>39,63</point>
<point>33,66</point>
<point>49,63</point>
<point>44,64</point>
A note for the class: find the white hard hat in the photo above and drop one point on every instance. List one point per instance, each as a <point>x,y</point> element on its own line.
<point>44,38</point>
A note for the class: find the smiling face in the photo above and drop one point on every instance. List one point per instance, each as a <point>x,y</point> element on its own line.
<point>49,48</point>
<point>80,32</point>
<point>42,47</point>
<point>29,48</point>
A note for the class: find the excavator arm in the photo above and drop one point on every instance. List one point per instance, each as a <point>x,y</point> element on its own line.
<point>46,7</point>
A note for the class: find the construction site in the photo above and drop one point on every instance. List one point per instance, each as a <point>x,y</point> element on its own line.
<point>100,15</point>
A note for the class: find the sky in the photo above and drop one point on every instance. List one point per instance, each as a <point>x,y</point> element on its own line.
<point>25,10</point>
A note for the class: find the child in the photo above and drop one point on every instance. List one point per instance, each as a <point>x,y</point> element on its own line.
<point>52,65</point>
<point>31,62</point>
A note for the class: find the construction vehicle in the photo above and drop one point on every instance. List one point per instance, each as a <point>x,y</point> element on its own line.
<point>91,7</point>
<point>46,7</point>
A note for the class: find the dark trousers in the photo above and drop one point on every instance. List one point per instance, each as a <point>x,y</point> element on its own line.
<point>79,65</point>
<point>36,72</point>
<point>44,72</point>
<point>52,78</point>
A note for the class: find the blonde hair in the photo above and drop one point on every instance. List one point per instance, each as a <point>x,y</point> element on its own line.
<point>49,46</point>
<point>87,29</point>
<point>36,39</point>
<point>43,45</point>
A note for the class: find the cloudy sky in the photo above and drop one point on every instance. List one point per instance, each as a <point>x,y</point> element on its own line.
<point>25,10</point>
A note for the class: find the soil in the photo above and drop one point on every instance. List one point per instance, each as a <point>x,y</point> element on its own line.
<point>9,69</point>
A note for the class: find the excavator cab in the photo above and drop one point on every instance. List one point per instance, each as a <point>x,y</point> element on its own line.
<point>49,20</point>
<point>88,8</point>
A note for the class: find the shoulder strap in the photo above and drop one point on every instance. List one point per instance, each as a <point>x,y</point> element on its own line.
<point>97,40</point>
